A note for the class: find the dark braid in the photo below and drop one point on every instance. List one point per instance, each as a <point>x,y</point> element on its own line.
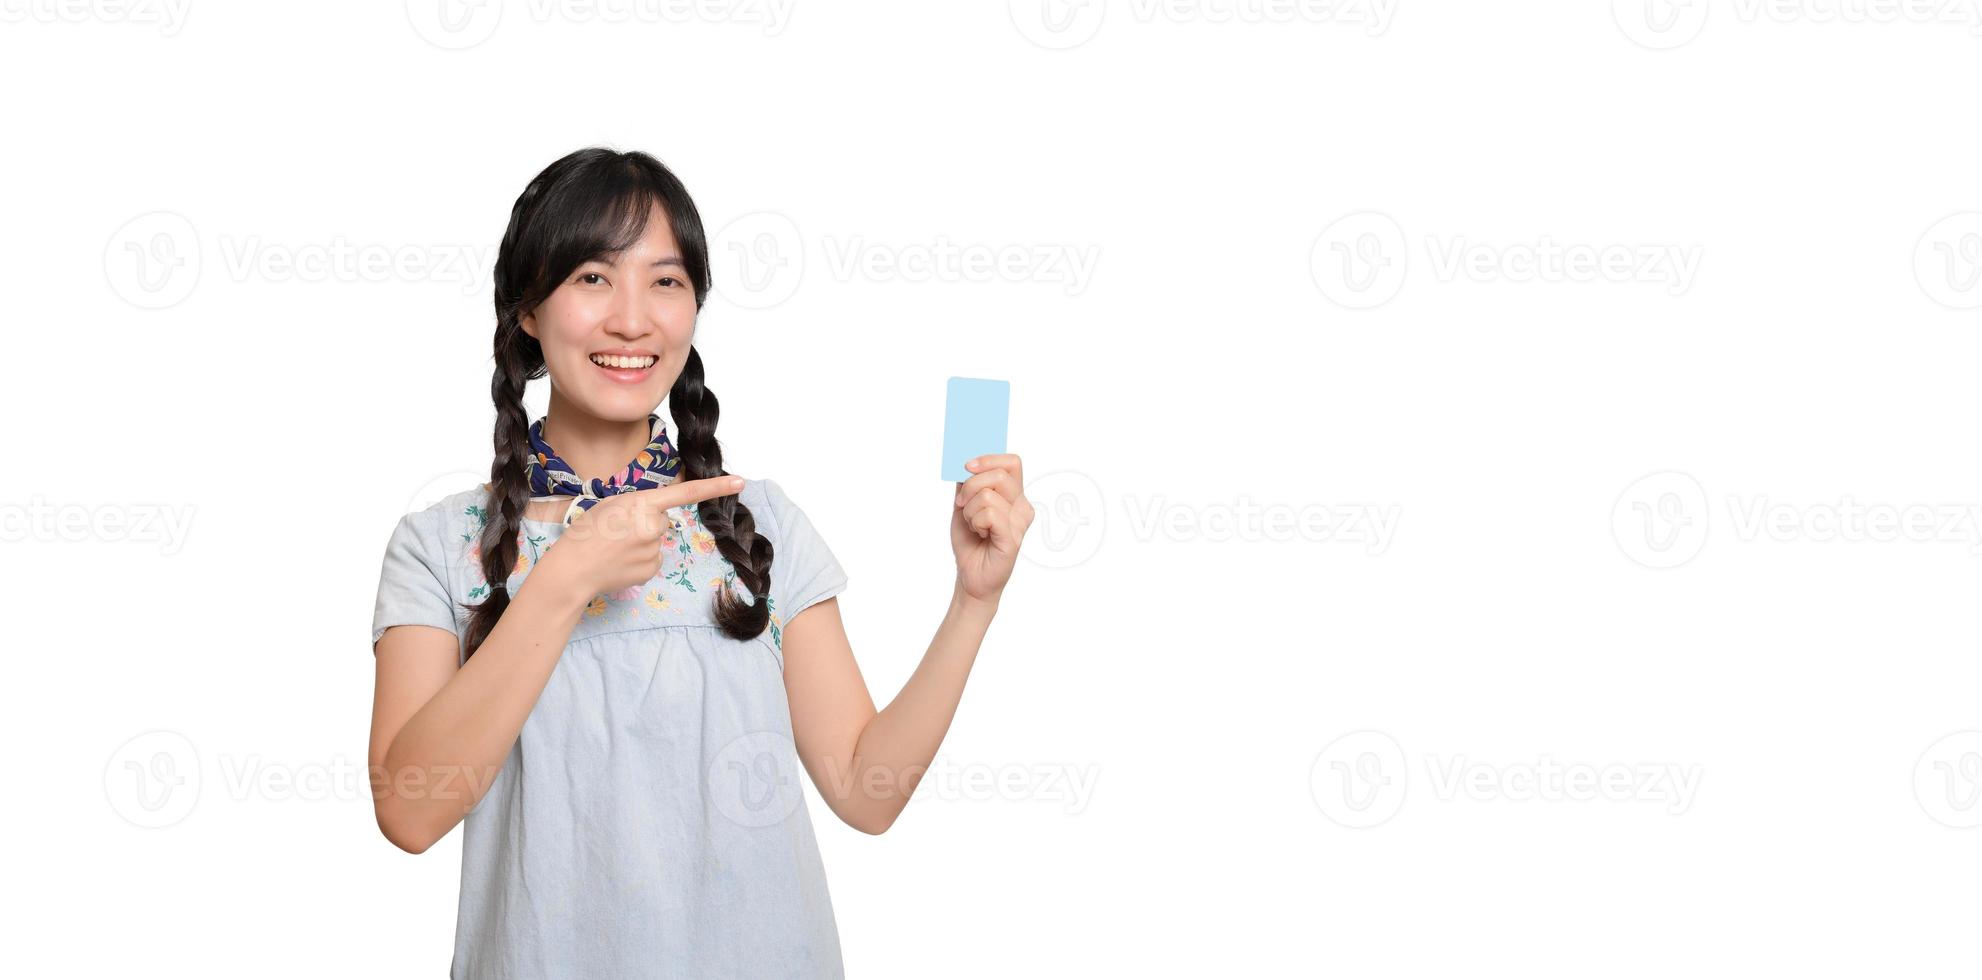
<point>728,520</point>
<point>592,202</point>
<point>509,490</point>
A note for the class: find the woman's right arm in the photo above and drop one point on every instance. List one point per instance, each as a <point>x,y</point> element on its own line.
<point>440,733</point>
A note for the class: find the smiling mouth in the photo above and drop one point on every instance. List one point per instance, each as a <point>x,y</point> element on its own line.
<point>624,362</point>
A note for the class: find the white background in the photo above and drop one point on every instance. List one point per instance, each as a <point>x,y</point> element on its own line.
<point>1311,230</point>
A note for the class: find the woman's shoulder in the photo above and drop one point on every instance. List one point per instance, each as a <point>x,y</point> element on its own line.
<point>770,505</point>
<point>448,525</point>
<point>468,505</point>
<point>757,491</point>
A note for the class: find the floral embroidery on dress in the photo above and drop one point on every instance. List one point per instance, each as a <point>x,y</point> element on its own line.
<point>686,541</point>
<point>524,558</point>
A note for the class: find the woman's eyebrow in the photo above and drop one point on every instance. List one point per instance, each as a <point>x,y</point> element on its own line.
<point>674,260</point>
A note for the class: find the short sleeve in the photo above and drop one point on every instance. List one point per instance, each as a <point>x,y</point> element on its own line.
<point>803,569</point>
<point>412,585</point>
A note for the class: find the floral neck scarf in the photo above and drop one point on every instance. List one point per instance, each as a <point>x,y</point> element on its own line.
<point>657,465</point>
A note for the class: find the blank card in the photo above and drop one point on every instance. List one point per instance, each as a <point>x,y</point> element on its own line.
<point>974,413</point>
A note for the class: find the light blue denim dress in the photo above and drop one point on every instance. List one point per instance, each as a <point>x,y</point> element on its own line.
<point>650,820</point>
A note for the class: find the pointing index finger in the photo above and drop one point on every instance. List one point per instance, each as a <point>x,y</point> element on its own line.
<point>690,491</point>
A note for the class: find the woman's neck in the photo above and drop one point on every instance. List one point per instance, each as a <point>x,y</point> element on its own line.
<point>593,447</point>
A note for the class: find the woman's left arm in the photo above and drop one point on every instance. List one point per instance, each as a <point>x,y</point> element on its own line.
<point>866,763</point>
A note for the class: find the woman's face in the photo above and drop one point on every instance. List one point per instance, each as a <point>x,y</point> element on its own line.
<point>616,331</point>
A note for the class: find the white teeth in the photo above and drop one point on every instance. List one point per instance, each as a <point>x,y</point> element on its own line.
<point>622,361</point>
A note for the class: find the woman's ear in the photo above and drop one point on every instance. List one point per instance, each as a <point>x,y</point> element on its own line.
<point>529,322</point>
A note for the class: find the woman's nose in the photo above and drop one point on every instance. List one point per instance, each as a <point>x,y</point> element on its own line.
<point>628,316</point>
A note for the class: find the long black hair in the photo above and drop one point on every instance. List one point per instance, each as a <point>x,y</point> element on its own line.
<point>587,205</point>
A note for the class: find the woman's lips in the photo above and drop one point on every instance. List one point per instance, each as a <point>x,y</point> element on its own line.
<point>623,367</point>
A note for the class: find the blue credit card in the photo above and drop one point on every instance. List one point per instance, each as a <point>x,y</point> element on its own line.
<point>974,414</point>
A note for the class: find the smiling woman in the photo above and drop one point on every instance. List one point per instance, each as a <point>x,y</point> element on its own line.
<point>605,662</point>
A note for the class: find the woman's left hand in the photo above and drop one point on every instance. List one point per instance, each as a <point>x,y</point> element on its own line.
<point>987,524</point>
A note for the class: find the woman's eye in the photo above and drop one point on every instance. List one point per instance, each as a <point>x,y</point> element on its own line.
<point>668,281</point>
<point>584,276</point>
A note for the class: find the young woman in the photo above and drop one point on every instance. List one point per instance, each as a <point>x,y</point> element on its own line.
<point>608,660</point>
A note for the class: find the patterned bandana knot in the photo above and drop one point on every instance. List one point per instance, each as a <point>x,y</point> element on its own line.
<point>657,465</point>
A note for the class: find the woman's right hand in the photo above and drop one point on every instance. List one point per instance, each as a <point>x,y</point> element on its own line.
<point>616,543</point>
